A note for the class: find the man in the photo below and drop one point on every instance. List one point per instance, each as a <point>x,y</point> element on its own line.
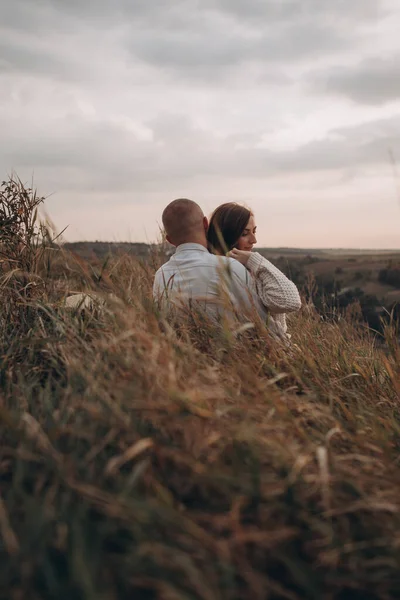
<point>218,284</point>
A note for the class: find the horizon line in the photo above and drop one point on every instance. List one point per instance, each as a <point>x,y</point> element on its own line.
<point>297,248</point>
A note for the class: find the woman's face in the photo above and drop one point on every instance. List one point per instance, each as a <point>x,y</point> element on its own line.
<point>248,237</point>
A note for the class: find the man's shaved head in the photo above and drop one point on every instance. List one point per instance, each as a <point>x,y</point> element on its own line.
<point>183,221</point>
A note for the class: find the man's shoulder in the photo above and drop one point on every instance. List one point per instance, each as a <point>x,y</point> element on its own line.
<point>165,265</point>
<point>159,270</point>
<point>208,259</point>
<point>162,273</point>
<point>229,264</point>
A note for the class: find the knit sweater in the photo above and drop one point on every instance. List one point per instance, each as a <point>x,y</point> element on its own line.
<point>277,293</point>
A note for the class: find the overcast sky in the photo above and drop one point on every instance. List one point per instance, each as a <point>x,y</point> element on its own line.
<point>117,107</point>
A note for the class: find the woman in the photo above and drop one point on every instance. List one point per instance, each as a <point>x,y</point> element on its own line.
<point>232,232</point>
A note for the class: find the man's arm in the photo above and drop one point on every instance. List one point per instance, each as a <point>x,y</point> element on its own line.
<point>156,286</point>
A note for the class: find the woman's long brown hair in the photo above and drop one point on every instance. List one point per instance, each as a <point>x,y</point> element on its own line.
<point>227,224</point>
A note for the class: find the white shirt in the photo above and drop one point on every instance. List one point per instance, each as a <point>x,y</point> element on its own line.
<point>192,273</point>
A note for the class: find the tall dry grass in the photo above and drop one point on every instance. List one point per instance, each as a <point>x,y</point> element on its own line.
<point>147,458</point>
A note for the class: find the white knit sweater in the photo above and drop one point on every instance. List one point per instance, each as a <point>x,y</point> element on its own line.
<point>277,293</point>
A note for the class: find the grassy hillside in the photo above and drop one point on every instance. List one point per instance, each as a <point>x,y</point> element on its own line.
<point>149,458</point>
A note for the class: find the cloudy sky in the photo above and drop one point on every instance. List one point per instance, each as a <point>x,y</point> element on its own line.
<point>116,107</point>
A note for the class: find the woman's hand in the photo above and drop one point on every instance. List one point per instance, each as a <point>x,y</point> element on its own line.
<point>240,255</point>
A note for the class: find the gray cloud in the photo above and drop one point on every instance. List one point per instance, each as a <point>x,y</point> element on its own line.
<point>25,57</point>
<point>105,156</point>
<point>164,11</point>
<point>28,15</point>
<point>169,13</point>
<point>208,48</point>
<point>282,10</point>
<point>358,146</point>
<point>110,100</point>
<point>195,42</point>
<point>373,81</point>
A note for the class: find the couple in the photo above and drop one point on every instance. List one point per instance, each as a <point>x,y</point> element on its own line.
<point>214,258</point>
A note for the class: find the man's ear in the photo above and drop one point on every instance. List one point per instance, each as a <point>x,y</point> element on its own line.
<point>205,224</point>
<point>169,241</point>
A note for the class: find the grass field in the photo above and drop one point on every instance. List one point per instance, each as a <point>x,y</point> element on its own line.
<point>146,458</point>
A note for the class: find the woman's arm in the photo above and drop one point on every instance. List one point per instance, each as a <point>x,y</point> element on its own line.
<point>275,290</point>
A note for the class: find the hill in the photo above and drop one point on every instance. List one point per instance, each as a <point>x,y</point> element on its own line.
<point>97,251</point>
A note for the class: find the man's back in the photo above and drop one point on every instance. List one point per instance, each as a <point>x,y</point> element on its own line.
<point>193,273</point>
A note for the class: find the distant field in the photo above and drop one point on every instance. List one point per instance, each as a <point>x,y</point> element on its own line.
<point>351,269</point>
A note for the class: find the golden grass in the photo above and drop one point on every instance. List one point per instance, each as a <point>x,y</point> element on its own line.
<point>153,459</point>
